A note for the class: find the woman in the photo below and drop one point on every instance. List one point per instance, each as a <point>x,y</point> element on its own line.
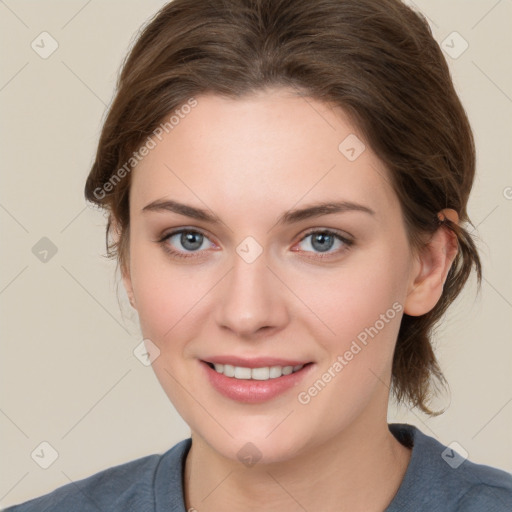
<point>287,184</point>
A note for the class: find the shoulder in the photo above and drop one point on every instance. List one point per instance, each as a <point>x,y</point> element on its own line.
<point>484,488</point>
<point>128,486</point>
<point>440,477</point>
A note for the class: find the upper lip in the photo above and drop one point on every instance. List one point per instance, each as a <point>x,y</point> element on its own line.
<point>254,362</point>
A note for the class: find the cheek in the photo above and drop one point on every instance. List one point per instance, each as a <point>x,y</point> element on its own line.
<point>363,308</point>
<point>168,295</point>
<point>367,292</point>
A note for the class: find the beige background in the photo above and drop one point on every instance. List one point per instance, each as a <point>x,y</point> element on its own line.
<point>68,374</point>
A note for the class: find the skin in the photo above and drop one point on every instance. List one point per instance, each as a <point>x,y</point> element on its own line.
<point>249,160</point>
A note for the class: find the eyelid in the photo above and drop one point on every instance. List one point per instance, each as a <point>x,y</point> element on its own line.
<point>345,238</point>
<point>342,234</point>
<point>347,241</point>
<point>185,229</point>
<point>178,254</point>
<point>175,231</point>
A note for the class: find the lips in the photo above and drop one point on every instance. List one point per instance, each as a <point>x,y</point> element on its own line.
<point>252,390</point>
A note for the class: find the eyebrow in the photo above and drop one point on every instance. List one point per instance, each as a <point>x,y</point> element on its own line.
<point>288,217</point>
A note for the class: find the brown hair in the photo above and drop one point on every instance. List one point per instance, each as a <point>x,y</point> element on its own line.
<point>376,59</point>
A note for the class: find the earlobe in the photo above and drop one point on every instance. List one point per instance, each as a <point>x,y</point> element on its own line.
<point>127,281</point>
<point>432,267</point>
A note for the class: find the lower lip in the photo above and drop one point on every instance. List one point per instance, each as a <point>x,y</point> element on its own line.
<point>254,391</point>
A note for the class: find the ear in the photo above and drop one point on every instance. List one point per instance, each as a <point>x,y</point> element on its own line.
<point>431,268</point>
<point>127,281</point>
<point>124,267</point>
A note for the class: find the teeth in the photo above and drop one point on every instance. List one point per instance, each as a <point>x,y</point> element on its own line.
<point>264,373</point>
<point>242,373</point>
<point>229,371</point>
<point>260,373</point>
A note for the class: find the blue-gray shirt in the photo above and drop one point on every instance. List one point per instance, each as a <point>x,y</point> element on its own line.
<point>437,480</point>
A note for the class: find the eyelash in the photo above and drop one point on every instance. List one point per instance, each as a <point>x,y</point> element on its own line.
<point>178,254</point>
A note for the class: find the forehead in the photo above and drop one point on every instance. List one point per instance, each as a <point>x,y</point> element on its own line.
<point>269,148</point>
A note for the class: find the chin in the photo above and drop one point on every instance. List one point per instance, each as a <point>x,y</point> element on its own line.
<point>252,446</point>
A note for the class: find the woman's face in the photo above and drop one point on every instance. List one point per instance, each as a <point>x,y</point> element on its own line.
<point>249,281</point>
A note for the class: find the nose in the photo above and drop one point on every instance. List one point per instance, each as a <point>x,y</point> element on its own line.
<point>251,300</point>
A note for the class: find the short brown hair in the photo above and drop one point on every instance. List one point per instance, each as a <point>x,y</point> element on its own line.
<point>376,59</point>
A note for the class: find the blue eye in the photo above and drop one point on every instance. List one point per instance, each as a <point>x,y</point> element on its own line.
<point>193,243</point>
<point>322,241</point>
<point>189,239</point>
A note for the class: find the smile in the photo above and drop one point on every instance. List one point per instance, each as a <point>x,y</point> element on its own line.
<point>257,384</point>
<point>263,373</point>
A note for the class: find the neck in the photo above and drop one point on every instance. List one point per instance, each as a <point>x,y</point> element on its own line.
<point>358,469</point>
